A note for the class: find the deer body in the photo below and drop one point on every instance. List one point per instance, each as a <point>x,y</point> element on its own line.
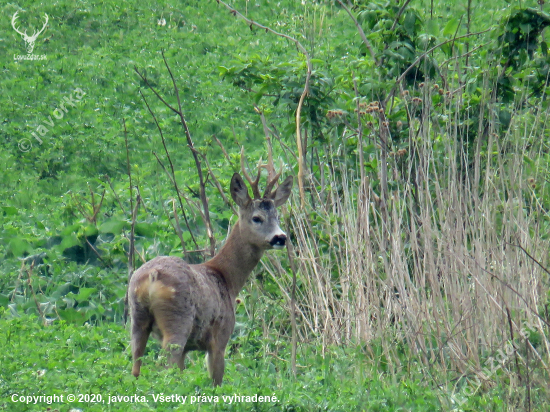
<point>191,307</point>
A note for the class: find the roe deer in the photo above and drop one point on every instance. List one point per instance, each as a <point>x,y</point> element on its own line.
<point>191,307</point>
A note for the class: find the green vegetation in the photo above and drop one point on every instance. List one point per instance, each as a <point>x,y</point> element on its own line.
<point>419,245</point>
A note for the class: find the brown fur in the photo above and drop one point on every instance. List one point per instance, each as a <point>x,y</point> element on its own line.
<point>192,307</point>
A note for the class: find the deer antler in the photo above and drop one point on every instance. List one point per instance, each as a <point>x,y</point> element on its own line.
<point>272,176</point>
<point>253,183</point>
<point>25,35</point>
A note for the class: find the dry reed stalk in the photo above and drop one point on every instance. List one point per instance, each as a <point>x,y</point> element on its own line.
<point>437,277</point>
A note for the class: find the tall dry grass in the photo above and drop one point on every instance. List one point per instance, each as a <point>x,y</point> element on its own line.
<point>440,270</point>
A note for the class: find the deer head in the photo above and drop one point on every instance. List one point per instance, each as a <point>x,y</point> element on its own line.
<point>258,215</point>
<point>30,40</point>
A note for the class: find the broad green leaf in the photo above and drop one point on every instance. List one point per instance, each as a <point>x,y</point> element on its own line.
<point>83,294</point>
<point>145,229</point>
<point>450,28</point>
<point>19,246</point>
<point>69,241</point>
<point>113,225</point>
<point>432,27</point>
<point>9,210</point>
<point>73,316</point>
<point>4,299</point>
<point>90,230</point>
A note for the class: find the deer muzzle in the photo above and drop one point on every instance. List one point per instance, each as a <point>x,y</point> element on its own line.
<point>278,241</point>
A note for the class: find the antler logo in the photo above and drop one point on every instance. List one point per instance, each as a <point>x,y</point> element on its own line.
<point>30,40</point>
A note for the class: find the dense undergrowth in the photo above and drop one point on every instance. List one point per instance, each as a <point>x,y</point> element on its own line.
<point>65,358</point>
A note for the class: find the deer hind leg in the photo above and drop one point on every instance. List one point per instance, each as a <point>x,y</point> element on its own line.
<point>175,345</point>
<point>216,364</point>
<point>141,329</point>
<point>216,359</point>
<point>175,332</point>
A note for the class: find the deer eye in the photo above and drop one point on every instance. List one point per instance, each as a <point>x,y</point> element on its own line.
<point>257,219</point>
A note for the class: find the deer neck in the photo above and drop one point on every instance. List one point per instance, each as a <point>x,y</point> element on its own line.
<point>236,260</point>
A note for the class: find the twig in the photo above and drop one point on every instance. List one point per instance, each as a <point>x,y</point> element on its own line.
<point>204,200</point>
<point>29,282</point>
<point>512,342</point>
<point>294,345</point>
<point>97,208</point>
<point>17,282</point>
<point>128,170</point>
<point>359,130</point>
<point>218,185</point>
<point>361,32</point>
<point>285,147</point>
<point>507,285</point>
<point>399,13</point>
<point>302,97</point>
<point>114,193</point>
<point>177,227</point>
<point>419,58</point>
<point>140,256</point>
<point>530,257</point>
<point>528,383</point>
<point>223,149</point>
<point>131,256</point>
<point>143,205</point>
<point>97,253</point>
<point>173,176</point>
<point>468,25</point>
<point>465,54</point>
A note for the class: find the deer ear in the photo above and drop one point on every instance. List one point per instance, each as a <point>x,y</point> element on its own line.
<point>280,196</point>
<point>238,190</point>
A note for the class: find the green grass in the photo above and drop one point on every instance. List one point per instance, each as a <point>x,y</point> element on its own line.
<point>62,359</point>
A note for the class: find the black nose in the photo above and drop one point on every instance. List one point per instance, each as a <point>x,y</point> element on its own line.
<point>279,240</point>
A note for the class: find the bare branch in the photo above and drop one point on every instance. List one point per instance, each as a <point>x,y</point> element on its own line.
<point>399,13</point>
<point>302,49</point>
<point>223,149</point>
<point>218,185</point>
<point>272,176</point>
<point>361,32</point>
<point>128,170</point>
<point>419,58</point>
<point>204,200</point>
<point>131,251</point>
<point>173,175</point>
